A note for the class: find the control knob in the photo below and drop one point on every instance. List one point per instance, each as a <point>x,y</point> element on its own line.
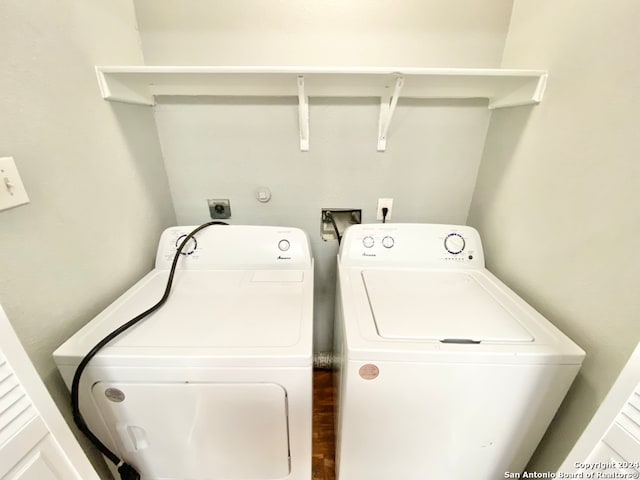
<point>454,243</point>
<point>388,242</point>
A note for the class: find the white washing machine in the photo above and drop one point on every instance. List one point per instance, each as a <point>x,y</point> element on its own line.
<point>443,372</point>
<point>217,384</point>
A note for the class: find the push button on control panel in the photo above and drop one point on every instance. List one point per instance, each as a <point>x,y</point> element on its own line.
<point>368,241</point>
<point>284,245</point>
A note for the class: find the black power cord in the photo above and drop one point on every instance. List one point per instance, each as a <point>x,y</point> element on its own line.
<point>127,472</point>
<point>329,214</point>
<point>385,212</point>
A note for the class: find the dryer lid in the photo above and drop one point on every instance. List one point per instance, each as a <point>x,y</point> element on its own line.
<point>447,306</point>
<point>211,308</point>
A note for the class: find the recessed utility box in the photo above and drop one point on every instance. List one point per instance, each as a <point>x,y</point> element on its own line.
<point>219,208</point>
<point>343,218</point>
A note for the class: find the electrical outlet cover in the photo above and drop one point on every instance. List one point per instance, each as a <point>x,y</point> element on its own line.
<point>382,203</point>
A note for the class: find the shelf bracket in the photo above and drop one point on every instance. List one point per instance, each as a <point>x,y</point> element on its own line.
<point>387,107</point>
<point>303,115</point>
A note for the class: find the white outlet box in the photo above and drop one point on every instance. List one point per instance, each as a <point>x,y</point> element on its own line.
<point>382,203</point>
<point>12,192</point>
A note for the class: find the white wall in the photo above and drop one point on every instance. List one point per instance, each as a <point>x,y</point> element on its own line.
<point>423,33</point>
<point>558,189</point>
<point>221,148</point>
<point>93,171</point>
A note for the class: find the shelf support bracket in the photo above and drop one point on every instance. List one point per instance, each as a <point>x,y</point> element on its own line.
<point>303,115</point>
<point>387,107</point>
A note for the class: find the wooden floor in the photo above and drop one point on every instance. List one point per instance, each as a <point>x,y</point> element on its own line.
<point>323,462</point>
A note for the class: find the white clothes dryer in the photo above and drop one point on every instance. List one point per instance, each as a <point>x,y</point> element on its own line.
<point>443,372</point>
<point>217,384</point>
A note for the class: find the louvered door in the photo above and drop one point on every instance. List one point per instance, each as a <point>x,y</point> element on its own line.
<point>16,409</point>
<point>619,449</point>
<point>27,451</point>
<point>610,445</point>
<point>35,442</point>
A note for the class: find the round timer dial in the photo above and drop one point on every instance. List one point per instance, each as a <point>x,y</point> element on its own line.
<point>190,247</point>
<point>454,243</point>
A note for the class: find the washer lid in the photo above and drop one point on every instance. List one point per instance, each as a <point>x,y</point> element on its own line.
<point>447,306</point>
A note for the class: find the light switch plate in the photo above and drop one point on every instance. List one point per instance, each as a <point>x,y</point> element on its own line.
<point>12,192</point>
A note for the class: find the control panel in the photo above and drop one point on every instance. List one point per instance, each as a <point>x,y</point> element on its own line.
<point>412,245</point>
<point>235,246</point>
